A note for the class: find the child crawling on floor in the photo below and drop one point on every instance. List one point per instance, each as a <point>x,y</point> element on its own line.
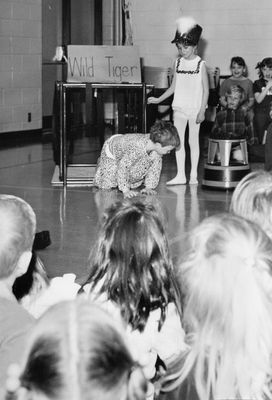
<point>132,160</point>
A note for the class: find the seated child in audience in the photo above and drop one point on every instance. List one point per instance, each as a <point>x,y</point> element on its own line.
<point>233,122</point>
<point>252,199</point>
<point>131,273</point>
<point>226,276</point>
<point>262,88</point>
<point>268,144</point>
<point>77,352</point>
<point>17,231</point>
<point>128,161</point>
<point>238,77</point>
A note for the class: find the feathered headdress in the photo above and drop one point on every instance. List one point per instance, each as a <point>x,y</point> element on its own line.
<point>188,32</point>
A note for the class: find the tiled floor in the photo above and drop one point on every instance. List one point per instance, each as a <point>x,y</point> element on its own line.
<point>72,214</point>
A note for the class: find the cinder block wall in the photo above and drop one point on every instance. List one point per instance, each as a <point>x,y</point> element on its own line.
<point>20,65</point>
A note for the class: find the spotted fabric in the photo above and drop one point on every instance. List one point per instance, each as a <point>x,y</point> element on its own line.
<point>124,163</point>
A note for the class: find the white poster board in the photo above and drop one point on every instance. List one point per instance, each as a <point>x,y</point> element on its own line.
<point>103,64</point>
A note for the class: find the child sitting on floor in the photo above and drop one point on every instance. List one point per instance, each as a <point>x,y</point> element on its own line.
<point>128,161</point>
<point>234,121</point>
<point>131,274</point>
<point>77,352</point>
<point>252,199</point>
<point>226,280</point>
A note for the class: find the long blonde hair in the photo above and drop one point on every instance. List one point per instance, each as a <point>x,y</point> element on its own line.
<point>227,280</point>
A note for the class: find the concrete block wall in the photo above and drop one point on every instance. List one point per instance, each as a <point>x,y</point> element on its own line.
<point>20,65</point>
<point>230,28</point>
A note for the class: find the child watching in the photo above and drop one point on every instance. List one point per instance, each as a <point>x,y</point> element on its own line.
<point>128,161</point>
<point>252,199</point>
<point>17,231</point>
<point>238,77</point>
<point>190,87</point>
<point>226,280</point>
<point>263,95</point>
<point>233,122</point>
<point>131,274</point>
<point>77,352</point>
<point>268,144</point>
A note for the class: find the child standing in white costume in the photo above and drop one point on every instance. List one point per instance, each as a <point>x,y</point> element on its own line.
<point>191,89</point>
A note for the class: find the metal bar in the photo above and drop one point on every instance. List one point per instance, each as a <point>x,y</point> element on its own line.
<point>60,116</point>
<point>64,130</point>
<point>144,107</point>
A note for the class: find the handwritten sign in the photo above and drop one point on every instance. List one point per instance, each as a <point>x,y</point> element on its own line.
<point>109,64</point>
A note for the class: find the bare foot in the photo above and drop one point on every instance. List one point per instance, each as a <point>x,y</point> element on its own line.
<point>177,181</point>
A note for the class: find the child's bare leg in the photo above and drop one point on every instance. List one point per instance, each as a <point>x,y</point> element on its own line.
<point>194,148</point>
<point>180,179</point>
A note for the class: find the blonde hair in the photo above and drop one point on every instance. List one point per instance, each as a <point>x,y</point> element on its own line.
<point>17,231</point>
<point>227,282</point>
<point>252,199</point>
<point>78,352</point>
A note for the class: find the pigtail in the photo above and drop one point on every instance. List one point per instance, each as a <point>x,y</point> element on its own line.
<point>137,384</point>
<point>258,66</point>
<point>13,383</point>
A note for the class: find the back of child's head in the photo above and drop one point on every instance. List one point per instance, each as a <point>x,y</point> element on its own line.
<point>266,62</point>
<point>78,352</point>
<point>252,199</point>
<point>17,231</point>
<point>133,261</point>
<point>165,133</point>
<point>226,275</point>
<point>238,60</point>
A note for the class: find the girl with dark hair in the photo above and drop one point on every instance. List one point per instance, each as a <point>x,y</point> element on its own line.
<point>77,352</point>
<point>131,274</point>
<point>262,88</point>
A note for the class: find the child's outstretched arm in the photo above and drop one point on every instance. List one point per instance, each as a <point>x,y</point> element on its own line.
<point>205,84</point>
<point>165,95</point>
<point>152,177</point>
<point>259,96</point>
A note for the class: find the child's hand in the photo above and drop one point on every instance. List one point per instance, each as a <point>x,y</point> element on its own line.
<point>200,117</point>
<point>130,193</point>
<point>152,100</point>
<point>269,86</point>
<point>148,192</point>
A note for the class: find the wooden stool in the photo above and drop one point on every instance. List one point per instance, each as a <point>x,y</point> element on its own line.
<point>221,174</point>
<point>225,146</point>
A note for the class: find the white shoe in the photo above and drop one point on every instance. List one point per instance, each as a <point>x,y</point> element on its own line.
<point>177,181</point>
<point>193,182</point>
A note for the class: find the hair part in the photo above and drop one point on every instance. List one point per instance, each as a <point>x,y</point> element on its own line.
<point>17,231</point>
<point>78,352</point>
<point>165,133</point>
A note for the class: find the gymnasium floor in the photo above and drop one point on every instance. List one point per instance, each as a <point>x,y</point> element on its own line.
<point>72,215</point>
